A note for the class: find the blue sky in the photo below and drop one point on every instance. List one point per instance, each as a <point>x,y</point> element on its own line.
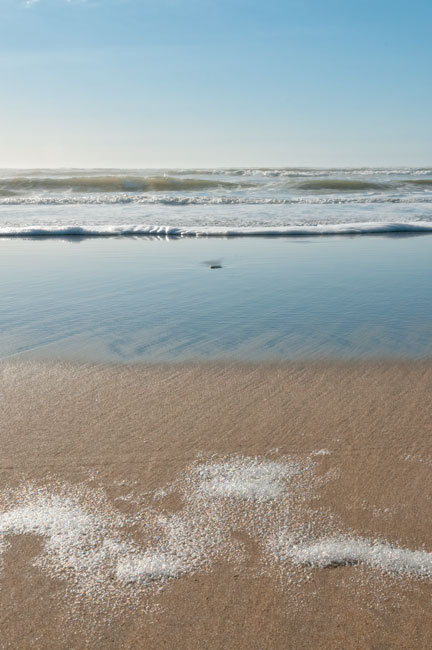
<point>207,83</point>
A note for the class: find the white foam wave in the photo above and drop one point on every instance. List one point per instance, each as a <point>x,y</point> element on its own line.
<point>348,551</point>
<point>307,171</point>
<point>132,199</point>
<point>368,228</point>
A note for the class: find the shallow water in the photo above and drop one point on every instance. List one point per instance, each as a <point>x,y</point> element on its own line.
<point>126,299</point>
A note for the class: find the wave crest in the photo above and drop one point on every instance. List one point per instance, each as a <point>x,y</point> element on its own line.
<point>114,184</point>
<point>341,185</point>
<point>114,230</point>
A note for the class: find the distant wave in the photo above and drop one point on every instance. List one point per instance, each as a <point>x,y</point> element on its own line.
<point>427,182</point>
<point>306,171</point>
<point>341,185</point>
<point>47,190</point>
<point>169,231</point>
<point>356,185</point>
<point>113,184</point>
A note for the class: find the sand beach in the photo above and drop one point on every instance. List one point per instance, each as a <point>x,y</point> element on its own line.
<point>177,506</point>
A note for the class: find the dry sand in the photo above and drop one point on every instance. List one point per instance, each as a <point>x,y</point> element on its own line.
<point>125,432</point>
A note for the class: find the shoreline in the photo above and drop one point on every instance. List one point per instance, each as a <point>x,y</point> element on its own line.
<point>359,432</point>
<point>104,231</point>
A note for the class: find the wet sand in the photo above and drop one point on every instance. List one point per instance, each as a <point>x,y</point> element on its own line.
<point>133,429</point>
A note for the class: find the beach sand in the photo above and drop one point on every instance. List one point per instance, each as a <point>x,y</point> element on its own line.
<point>126,431</point>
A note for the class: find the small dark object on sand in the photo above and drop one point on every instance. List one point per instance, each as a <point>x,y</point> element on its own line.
<point>215,266</point>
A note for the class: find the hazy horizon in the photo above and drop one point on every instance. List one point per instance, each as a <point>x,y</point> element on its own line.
<point>393,166</point>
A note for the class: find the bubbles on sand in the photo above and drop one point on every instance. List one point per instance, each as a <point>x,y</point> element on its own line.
<point>88,543</point>
<point>225,503</point>
<point>246,478</point>
<point>81,543</point>
<point>335,552</point>
<point>218,498</point>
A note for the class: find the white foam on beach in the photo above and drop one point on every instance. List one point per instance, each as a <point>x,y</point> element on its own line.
<point>149,567</point>
<point>78,544</point>
<point>335,552</point>
<point>246,479</point>
<point>89,547</point>
<point>187,541</point>
<point>217,498</point>
<point>322,452</point>
<point>88,544</point>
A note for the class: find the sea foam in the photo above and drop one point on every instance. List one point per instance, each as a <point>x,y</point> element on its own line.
<point>88,544</point>
<point>335,552</point>
<point>368,228</point>
<point>246,479</point>
<point>8,198</point>
<point>226,202</point>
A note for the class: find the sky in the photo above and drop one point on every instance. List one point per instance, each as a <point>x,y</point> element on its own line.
<point>186,83</point>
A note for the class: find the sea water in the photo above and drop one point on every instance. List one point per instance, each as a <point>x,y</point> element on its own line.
<point>115,265</point>
<point>126,299</point>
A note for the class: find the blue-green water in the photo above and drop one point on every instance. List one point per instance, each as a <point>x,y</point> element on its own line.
<point>125,299</point>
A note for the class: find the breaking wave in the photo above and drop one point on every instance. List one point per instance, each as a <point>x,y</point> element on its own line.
<point>113,183</point>
<point>306,171</point>
<point>342,185</point>
<point>230,202</point>
<point>177,231</point>
<point>426,182</point>
<point>9,198</point>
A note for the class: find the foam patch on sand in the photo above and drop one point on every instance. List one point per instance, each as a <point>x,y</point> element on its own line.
<point>79,545</point>
<point>246,479</point>
<point>89,548</point>
<point>103,554</point>
<point>337,552</point>
<point>87,542</point>
<point>149,567</point>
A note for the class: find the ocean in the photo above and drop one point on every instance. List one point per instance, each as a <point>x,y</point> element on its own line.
<point>217,202</point>
<point>219,265</point>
